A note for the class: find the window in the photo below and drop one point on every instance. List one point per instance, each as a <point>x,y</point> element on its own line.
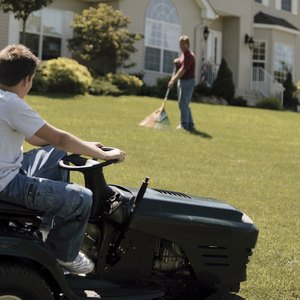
<point>258,60</point>
<point>47,32</point>
<point>286,5</point>
<point>161,36</point>
<point>284,60</point>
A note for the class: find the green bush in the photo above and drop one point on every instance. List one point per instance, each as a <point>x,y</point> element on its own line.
<point>39,83</point>
<point>128,84</point>
<point>159,89</point>
<point>290,101</point>
<point>62,75</point>
<point>201,90</point>
<point>223,85</point>
<point>269,103</point>
<point>239,101</point>
<point>148,90</point>
<point>100,86</point>
<point>162,86</point>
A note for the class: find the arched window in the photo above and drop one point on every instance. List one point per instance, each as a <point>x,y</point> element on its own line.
<point>161,36</point>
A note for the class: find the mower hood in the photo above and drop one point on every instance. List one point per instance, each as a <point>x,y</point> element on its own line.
<point>188,208</point>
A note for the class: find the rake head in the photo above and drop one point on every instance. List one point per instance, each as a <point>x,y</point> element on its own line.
<point>158,119</point>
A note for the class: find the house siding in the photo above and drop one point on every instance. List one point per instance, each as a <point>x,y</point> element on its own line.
<point>237,20</point>
<point>282,36</point>
<point>231,42</point>
<point>190,16</point>
<point>290,17</point>
<point>233,23</point>
<point>136,14</point>
<point>68,5</point>
<point>4,23</point>
<point>231,8</point>
<point>71,5</point>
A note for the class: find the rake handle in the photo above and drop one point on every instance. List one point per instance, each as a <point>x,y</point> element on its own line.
<point>168,90</point>
<point>167,94</point>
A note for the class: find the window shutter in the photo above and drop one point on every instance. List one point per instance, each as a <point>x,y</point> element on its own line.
<point>14,30</point>
<point>295,7</point>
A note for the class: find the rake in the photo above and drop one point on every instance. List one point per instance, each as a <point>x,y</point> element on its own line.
<point>159,118</point>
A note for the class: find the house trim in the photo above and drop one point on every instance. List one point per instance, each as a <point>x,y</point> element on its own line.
<point>207,11</point>
<point>276,27</point>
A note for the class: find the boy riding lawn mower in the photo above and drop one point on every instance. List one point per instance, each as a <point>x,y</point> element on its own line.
<point>154,243</point>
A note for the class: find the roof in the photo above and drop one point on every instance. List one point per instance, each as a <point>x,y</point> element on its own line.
<point>262,18</point>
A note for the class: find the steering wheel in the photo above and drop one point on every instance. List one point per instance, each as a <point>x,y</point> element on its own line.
<point>75,162</point>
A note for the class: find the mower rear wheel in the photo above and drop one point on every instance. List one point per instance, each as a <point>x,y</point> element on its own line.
<point>222,296</point>
<point>19,282</point>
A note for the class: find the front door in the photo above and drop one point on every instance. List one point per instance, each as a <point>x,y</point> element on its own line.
<point>214,47</point>
<point>212,57</point>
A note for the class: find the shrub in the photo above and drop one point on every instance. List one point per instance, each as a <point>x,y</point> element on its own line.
<point>39,83</point>
<point>159,89</point>
<point>162,86</point>
<point>62,75</point>
<point>223,85</point>
<point>101,36</point>
<point>148,90</point>
<point>269,103</point>
<point>239,101</point>
<point>100,86</point>
<point>201,90</point>
<point>290,101</point>
<point>128,84</point>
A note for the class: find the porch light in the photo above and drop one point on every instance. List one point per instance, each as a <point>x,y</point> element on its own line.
<point>205,33</point>
<point>249,41</point>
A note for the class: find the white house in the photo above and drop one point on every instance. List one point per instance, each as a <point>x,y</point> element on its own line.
<point>257,38</point>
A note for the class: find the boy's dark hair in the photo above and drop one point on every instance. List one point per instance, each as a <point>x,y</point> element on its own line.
<point>16,63</point>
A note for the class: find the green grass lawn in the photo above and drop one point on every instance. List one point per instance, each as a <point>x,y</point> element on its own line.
<point>248,157</point>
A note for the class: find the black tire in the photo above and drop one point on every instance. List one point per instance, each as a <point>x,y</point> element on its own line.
<point>223,296</point>
<point>21,282</point>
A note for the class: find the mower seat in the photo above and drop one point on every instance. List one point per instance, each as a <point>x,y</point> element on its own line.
<point>15,209</point>
<point>15,212</point>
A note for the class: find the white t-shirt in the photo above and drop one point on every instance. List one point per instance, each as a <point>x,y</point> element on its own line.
<point>17,121</point>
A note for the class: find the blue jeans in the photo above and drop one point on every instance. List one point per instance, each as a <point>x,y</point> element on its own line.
<point>185,93</point>
<point>42,185</point>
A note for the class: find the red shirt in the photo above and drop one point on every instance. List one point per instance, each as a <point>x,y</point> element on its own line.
<point>187,60</point>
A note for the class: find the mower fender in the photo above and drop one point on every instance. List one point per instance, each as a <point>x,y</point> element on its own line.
<point>32,252</point>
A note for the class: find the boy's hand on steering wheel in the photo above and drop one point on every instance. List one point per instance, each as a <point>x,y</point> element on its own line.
<point>114,154</point>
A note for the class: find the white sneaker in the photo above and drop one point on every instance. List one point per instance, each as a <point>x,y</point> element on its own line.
<point>81,265</point>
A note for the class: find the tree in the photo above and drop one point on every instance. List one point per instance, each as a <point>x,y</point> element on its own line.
<point>223,85</point>
<point>102,40</point>
<point>22,10</point>
<point>289,99</point>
